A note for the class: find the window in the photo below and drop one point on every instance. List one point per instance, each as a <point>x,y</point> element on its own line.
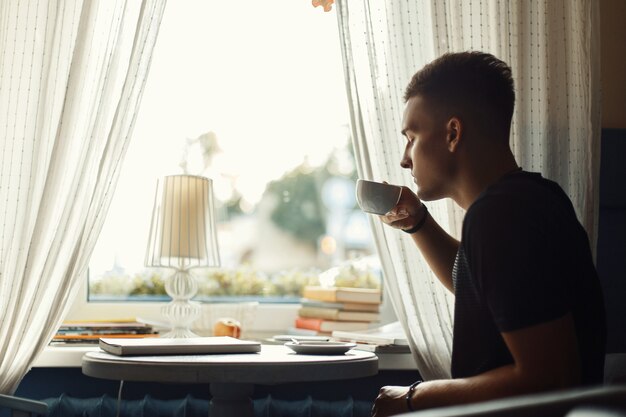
<point>250,94</point>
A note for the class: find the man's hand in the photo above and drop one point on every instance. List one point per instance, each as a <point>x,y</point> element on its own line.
<point>391,400</point>
<point>437,246</point>
<point>406,213</point>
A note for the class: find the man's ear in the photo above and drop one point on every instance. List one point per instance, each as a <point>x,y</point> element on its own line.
<point>454,133</point>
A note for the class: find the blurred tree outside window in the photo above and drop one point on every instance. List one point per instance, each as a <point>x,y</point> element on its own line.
<point>269,125</point>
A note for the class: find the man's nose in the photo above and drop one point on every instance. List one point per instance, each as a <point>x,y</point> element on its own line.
<point>405,162</point>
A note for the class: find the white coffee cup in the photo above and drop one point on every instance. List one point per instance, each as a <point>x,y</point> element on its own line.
<point>376,197</point>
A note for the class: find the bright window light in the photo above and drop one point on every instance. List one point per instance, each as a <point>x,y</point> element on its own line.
<point>252,95</point>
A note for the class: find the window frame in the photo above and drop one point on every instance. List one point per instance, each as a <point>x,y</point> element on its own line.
<point>270,317</point>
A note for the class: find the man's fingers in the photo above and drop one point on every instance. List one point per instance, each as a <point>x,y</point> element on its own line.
<point>395,215</point>
<point>398,212</point>
<point>397,221</point>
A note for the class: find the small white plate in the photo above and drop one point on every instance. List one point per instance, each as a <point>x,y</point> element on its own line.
<point>320,348</point>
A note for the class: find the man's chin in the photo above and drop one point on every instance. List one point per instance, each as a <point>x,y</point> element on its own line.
<point>425,195</point>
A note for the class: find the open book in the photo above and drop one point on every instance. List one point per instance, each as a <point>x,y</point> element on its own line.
<point>190,346</point>
<point>389,334</point>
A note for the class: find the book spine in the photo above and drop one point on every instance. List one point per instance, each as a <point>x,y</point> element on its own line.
<point>126,320</point>
<point>309,323</point>
<point>321,304</point>
<point>319,313</point>
<point>342,294</point>
<point>374,308</point>
<point>357,316</point>
<point>98,336</point>
<point>320,294</point>
<point>337,315</point>
<point>103,326</point>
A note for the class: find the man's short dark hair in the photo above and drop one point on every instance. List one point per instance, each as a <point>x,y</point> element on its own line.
<point>473,84</point>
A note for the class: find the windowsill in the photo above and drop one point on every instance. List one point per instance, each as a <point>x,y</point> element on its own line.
<point>63,356</point>
<point>71,357</point>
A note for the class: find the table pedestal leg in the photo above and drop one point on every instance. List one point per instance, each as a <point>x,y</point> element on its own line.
<point>229,400</point>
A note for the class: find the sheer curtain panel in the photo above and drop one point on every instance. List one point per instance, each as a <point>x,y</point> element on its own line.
<point>552,47</point>
<point>71,78</point>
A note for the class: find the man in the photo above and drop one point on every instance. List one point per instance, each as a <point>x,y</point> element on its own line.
<point>529,314</point>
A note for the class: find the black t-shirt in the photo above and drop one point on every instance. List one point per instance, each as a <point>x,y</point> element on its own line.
<point>524,259</point>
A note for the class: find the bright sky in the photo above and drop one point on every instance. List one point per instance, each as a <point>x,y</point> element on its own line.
<point>266,77</point>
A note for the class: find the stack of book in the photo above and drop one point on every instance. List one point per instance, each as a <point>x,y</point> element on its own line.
<point>91,331</point>
<point>327,309</point>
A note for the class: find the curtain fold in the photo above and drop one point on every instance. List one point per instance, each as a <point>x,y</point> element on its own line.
<point>552,48</point>
<point>71,78</point>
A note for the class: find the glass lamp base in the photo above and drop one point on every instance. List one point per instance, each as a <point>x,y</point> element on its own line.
<point>181,311</point>
<point>181,315</point>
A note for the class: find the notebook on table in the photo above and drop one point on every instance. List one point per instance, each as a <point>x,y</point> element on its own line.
<point>189,346</point>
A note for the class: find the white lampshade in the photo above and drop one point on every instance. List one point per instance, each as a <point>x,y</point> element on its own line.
<point>183,233</point>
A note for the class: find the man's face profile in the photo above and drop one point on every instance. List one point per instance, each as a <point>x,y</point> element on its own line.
<point>425,152</point>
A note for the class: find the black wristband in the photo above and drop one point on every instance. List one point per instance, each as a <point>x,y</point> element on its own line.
<point>419,224</point>
<point>409,394</point>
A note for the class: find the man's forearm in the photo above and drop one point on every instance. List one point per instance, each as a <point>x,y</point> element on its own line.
<point>439,250</point>
<point>501,382</point>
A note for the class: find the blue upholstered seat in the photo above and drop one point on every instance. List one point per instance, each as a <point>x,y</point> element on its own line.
<point>106,406</point>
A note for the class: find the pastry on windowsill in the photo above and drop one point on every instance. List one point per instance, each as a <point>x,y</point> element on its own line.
<point>227,327</point>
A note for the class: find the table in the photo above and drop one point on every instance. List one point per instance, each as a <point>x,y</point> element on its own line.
<point>232,376</point>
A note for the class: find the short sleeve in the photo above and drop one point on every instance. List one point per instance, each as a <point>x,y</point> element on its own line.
<point>510,247</point>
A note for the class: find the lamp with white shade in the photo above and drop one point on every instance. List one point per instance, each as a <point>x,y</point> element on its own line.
<point>182,236</point>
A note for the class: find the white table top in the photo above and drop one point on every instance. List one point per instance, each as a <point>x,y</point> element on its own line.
<point>274,364</point>
<point>72,357</point>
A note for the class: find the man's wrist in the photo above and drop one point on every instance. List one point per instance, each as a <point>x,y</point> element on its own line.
<point>420,223</point>
<point>409,395</point>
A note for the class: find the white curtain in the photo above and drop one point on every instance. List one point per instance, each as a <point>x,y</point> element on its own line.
<point>71,78</point>
<point>552,47</point>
